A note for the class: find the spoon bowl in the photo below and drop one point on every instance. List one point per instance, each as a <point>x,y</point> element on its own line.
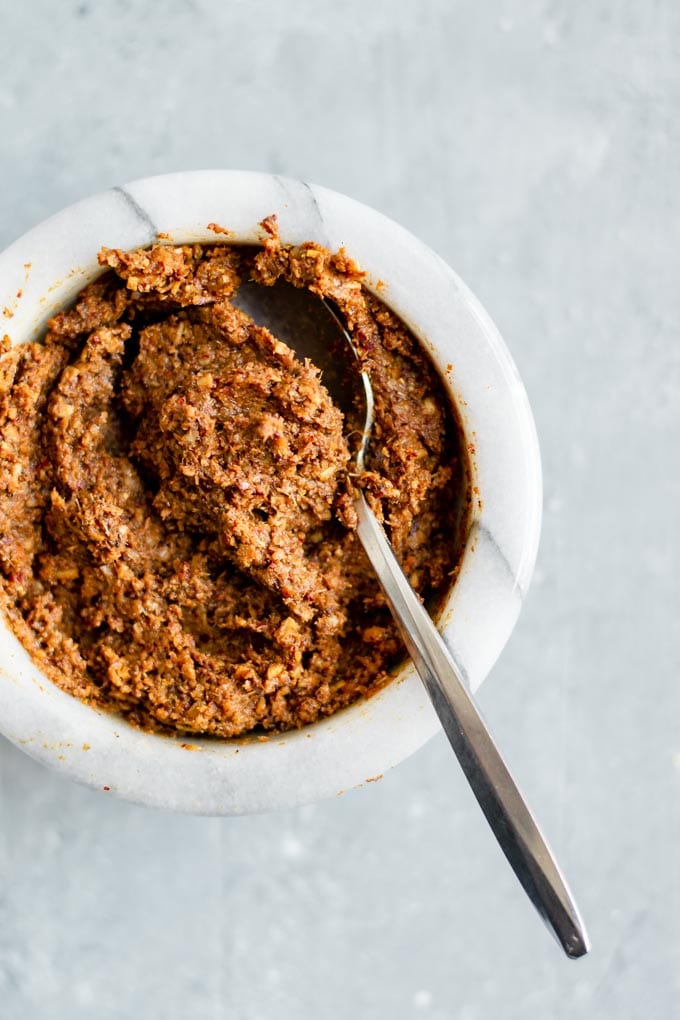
<point>312,328</point>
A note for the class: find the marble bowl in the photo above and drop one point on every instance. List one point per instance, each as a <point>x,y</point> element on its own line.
<point>50,264</point>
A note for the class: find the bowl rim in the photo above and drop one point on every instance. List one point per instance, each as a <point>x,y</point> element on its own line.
<point>53,261</point>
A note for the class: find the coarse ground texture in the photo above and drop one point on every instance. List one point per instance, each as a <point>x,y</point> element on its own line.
<point>177,494</point>
<point>536,147</point>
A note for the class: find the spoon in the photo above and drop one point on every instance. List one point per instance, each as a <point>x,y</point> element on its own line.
<point>313,330</point>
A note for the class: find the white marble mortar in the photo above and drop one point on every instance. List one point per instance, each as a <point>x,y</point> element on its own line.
<point>52,262</point>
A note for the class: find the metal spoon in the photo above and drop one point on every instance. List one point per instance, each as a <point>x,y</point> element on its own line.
<point>297,318</point>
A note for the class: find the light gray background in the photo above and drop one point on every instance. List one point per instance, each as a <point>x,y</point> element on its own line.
<point>535,145</point>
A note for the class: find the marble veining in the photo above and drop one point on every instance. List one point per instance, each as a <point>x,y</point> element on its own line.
<point>304,212</point>
<point>137,208</point>
<point>482,533</point>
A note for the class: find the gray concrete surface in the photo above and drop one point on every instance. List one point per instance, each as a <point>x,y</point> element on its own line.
<point>536,146</point>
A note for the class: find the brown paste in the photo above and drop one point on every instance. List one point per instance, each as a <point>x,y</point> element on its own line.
<point>176,494</point>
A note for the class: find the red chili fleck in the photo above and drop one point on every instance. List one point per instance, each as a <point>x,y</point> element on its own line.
<point>107,788</point>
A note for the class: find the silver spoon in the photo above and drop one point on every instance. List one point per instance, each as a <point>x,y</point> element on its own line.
<point>297,318</point>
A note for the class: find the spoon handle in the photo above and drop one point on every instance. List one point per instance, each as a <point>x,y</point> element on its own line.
<point>499,797</point>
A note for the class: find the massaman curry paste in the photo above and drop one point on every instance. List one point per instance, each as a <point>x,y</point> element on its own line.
<point>178,535</point>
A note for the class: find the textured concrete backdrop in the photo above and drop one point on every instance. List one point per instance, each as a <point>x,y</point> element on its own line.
<point>535,145</point>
